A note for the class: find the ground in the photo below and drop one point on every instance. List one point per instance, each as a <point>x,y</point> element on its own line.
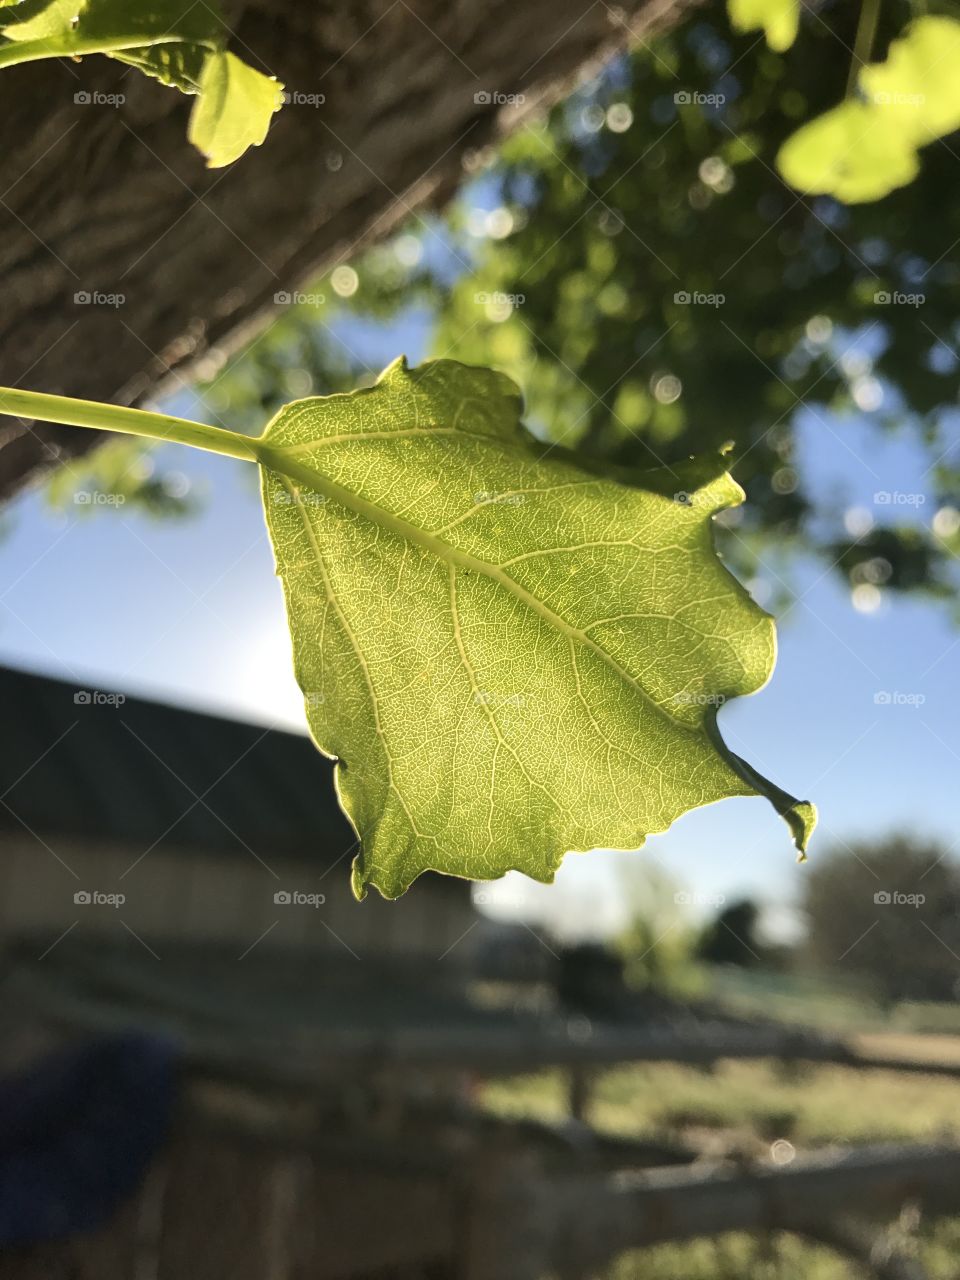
<point>741,1108</point>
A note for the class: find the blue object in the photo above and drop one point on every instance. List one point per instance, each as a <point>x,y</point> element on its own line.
<point>78,1132</point>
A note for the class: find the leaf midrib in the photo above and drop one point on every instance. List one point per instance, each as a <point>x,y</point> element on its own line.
<point>273,460</point>
<point>14,52</point>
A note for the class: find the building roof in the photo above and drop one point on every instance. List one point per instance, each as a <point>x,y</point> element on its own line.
<point>153,774</point>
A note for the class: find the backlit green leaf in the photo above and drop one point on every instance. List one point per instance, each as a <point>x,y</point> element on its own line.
<point>868,146</point>
<point>70,28</point>
<point>848,153</point>
<point>177,65</point>
<point>234,109</point>
<point>510,657</point>
<point>778,19</point>
<point>917,90</point>
<point>178,42</point>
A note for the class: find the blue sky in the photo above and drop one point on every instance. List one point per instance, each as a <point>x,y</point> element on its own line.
<point>191,612</point>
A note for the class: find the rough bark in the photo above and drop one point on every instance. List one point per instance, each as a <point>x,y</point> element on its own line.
<point>98,199</point>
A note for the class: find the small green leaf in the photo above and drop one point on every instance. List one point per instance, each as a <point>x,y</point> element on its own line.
<point>917,90</point>
<point>511,657</point>
<point>778,19</point>
<point>847,153</point>
<point>41,19</point>
<point>178,42</point>
<point>867,147</point>
<point>177,65</point>
<point>234,109</point>
<point>71,28</point>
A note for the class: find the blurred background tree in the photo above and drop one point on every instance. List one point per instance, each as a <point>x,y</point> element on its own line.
<point>888,912</point>
<point>733,936</point>
<point>635,261</point>
<point>658,946</point>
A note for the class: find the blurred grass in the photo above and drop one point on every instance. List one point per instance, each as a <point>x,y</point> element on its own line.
<point>741,1109</point>
<point>781,1257</point>
<point>751,1103</point>
<point>828,1005</point>
<point>738,1109</point>
<point>733,1257</point>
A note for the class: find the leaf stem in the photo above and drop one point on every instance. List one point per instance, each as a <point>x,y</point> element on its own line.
<point>799,815</point>
<point>14,52</point>
<point>68,412</point>
<point>863,41</point>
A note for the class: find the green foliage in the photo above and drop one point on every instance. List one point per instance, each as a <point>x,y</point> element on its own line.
<point>179,43</point>
<point>867,146</point>
<point>917,86</point>
<point>732,937</point>
<point>62,28</point>
<point>888,912</point>
<point>770,1256</point>
<point>825,317</point>
<point>511,657</point>
<point>177,65</point>
<point>778,19</point>
<point>845,154</point>
<point>120,475</point>
<point>233,110</point>
<point>658,946</point>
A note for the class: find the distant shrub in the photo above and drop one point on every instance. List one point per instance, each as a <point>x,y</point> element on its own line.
<point>888,912</point>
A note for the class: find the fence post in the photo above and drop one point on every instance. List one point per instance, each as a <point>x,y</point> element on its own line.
<point>508,1224</point>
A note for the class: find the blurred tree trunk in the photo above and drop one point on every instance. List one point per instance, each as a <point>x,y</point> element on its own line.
<point>112,200</point>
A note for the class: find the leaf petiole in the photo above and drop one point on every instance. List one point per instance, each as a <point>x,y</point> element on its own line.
<point>863,41</point>
<point>67,412</point>
<point>73,46</point>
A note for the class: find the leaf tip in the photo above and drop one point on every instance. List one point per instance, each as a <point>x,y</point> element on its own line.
<point>801,818</point>
<point>358,883</point>
<point>396,367</point>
